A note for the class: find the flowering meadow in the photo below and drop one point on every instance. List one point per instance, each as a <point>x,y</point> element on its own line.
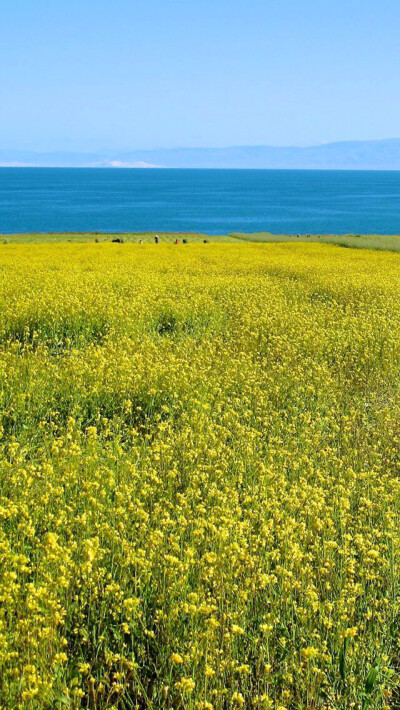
<point>199,477</point>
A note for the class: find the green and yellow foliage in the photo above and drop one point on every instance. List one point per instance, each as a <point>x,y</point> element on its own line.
<point>199,476</point>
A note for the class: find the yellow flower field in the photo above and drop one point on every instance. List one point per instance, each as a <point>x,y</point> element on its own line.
<point>199,476</point>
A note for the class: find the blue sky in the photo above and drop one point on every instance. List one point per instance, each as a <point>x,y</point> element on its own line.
<point>125,74</point>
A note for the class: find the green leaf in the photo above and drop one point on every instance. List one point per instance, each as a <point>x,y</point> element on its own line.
<point>342,659</point>
<point>371,679</point>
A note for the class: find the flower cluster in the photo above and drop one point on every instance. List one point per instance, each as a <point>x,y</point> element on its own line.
<point>199,476</point>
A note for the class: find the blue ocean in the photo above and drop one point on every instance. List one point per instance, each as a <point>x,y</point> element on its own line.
<point>210,201</point>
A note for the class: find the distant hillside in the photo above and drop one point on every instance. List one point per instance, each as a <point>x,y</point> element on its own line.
<point>348,155</point>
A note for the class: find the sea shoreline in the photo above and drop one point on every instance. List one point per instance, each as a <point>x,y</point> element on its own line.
<point>388,242</point>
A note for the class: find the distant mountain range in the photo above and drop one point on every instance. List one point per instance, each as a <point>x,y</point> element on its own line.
<point>347,155</point>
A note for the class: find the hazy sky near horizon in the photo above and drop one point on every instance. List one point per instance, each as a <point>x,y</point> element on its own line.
<point>112,75</point>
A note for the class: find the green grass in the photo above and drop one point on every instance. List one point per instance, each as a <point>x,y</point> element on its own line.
<point>386,242</point>
<point>135,237</point>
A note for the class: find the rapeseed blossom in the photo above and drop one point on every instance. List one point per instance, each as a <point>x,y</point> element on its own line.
<point>199,476</point>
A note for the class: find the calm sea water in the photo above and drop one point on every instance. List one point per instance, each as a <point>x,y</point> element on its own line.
<point>211,201</point>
